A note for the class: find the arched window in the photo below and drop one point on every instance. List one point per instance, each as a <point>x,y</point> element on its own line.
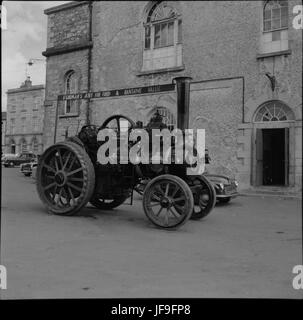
<point>274,111</point>
<point>70,87</point>
<point>162,18</point>
<point>167,117</point>
<point>35,145</point>
<point>162,36</point>
<point>275,15</point>
<point>23,146</point>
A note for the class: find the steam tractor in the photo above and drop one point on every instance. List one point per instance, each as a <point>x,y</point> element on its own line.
<point>69,175</point>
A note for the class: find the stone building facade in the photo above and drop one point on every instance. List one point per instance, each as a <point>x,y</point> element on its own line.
<point>245,59</point>
<point>3,131</point>
<point>25,113</point>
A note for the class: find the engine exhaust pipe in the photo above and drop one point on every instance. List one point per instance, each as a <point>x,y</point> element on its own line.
<point>183,95</point>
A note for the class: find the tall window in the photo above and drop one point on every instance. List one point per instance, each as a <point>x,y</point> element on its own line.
<point>161,20</point>
<point>274,37</point>
<point>12,126</point>
<point>37,103</point>
<point>35,124</point>
<point>275,15</point>
<point>23,125</point>
<point>13,146</point>
<point>162,37</point>
<point>35,145</point>
<point>70,87</point>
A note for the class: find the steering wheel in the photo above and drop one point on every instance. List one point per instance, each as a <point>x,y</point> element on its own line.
<point>116,119</point>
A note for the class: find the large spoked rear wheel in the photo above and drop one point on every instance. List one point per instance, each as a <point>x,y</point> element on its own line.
<point>65,178</point>
<point>204,197</point>
<point>107,204</point>
<point>168,201</point>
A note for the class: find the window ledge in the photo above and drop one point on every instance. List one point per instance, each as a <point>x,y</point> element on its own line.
<point>164,70</point>
<point>70,115</point>
<point>273,54</point>
<point>273,30</point>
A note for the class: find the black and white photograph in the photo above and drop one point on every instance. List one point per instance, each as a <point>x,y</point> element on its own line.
<point>151,149</point>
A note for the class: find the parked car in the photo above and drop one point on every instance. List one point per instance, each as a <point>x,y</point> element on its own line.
<point>27,168</point>
<point>19,159</point>
<point>226,188</point>
<point>8,155</point>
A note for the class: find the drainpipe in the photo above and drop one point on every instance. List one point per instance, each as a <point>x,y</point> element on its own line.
<point>89,61</point>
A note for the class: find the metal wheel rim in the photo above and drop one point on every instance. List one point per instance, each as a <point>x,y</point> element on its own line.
<point>202,201</point>
<point>161,200</point>
<point>62,178</point>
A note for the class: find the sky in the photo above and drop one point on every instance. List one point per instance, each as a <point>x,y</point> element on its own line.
<point>23,39</point>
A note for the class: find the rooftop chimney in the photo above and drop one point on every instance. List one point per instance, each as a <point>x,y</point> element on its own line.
<point>27,83</point>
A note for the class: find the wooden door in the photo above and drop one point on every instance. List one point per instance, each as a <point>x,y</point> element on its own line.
<point>259,157</point>
<point>286,155</point>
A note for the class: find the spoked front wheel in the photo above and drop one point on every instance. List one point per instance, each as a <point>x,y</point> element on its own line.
<point>65,178</point>
<point>204,197</point>
<point>168,201</point>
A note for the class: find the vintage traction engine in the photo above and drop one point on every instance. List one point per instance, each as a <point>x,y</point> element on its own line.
<point>69,176</point>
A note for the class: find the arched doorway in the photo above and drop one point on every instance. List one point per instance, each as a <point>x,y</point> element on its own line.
<point>272,157</point>
<point>12,146</point>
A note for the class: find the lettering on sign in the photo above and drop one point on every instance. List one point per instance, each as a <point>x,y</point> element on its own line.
<point>117,93</point>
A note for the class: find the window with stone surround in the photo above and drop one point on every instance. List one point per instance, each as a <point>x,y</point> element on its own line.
<point>23,125</point>
<point>35,124</point>
<point>37,104</point>
<point>162,37</point>
<point>274,37</point>
<point>12,126</point>
<point>275,15</point>
<point>71,86</point>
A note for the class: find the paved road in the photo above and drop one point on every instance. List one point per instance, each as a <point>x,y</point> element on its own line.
<point>244,249</point>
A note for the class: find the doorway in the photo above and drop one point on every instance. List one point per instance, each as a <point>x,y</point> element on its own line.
<point>13,148</point>
<point>272,156</point>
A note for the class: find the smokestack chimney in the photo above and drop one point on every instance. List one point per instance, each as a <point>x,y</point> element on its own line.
<point>183,94</point>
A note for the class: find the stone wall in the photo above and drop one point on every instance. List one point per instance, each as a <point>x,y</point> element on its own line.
<point>66,28</point>
<point>69,26</point>
<point>220,51</point>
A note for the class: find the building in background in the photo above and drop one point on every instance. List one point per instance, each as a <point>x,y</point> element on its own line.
<point>3,131</point>
<point>25,118</point>
<point>245,59</point>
